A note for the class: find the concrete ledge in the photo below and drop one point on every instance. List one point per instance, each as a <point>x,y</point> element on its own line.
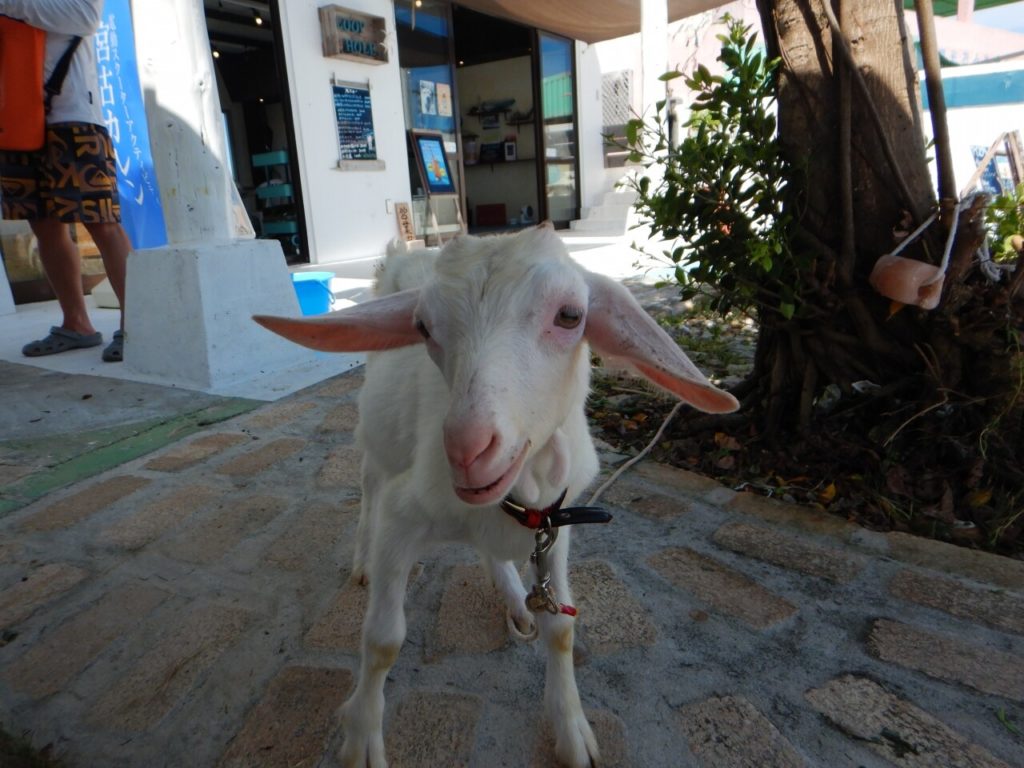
<point>188,318</point>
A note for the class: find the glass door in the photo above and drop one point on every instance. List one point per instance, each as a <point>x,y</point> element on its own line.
<point>429,100</point>
<point>559,163</point>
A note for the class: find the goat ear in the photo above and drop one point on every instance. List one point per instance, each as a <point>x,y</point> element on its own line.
<point>383,323</point>
<point>618,327</point>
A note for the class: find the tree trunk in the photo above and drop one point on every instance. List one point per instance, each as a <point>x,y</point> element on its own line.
<point>945,418</point>
<point>856,140</point>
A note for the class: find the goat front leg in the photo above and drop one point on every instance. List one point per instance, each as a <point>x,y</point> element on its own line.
<point>575,745</point>
<point>383,634</point>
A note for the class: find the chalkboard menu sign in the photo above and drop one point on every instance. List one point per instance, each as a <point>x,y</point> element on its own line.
<point>354,115</point>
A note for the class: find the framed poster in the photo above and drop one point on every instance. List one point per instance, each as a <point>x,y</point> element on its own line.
<point>432,162</point>
<point>353,113</point>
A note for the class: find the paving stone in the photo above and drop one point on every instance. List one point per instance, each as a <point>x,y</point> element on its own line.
<point>788,552</point>
<point>340,628</point>
<point>796,516</point>
<point>472,615</point>
<point>187,646</point>
<point>729,732</point>
<point>432,729</point>
<point>10,551</point>
<point>610,619</point>
<point>998,609</point>
<point>159,516</point>
<point>951,559</point>
<point>61,653</point>
<point>272,416</point>
<point>339,386</point>
<point>722,588</point>
<point>212,538</point>
<point>36,588</point>
<point>609,730</point>
<point>188,455</point>
<point>12,473</point>
<point>267,455</point>
<point>676,478</point>
<point>341,418</point>
<point>940,656</point>
<point>897,730</point>
<point>311,538</point>
<point>291,724</point>
<point>647,502</point>
<point>84,503</point>
<point>341,469</point>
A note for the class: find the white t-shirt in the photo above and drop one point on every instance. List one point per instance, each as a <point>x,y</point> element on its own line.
<point>79,99</point>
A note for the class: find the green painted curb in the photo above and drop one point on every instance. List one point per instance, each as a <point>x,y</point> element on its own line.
<point>113,448</point>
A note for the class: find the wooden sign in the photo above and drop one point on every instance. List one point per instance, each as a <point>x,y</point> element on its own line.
<point>352,35</point>
<point>406,227</point>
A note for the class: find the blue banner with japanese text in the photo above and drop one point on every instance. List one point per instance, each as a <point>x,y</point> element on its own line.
<point>124,114</point>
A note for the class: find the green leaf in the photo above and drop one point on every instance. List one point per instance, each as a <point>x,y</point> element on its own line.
<point>669,76</point>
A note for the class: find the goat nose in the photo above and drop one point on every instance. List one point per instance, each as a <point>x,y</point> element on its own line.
<point>468,444</point>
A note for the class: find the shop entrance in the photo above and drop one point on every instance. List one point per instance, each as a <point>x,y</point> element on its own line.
<point>502,97</point>
<point>245,39</point>
<point>518,122</point>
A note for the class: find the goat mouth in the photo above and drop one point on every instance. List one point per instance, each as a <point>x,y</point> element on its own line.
<point>496,490</point>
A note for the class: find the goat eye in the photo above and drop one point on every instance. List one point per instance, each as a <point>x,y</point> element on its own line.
<point>568,317</point>
<point>422,328</point>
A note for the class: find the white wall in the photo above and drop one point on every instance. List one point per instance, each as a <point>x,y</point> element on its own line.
<point>590,139</point>
<point>974,126</point>
<point>346,211</point>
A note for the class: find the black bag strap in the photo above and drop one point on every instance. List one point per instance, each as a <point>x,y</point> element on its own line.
<point>56,82</point>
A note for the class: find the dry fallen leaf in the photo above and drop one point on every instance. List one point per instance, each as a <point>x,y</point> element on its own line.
<point>827,494</point>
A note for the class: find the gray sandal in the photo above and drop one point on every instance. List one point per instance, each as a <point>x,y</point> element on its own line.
<point>61,340</point>
<point>114,353</point>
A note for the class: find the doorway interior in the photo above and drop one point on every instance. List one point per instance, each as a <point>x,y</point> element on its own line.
<point>502,97</point>
<point>245,40</point>
<point>494,78</point>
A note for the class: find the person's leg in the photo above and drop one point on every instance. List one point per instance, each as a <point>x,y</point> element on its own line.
<point>60,258</point>
<point>114,245</point>
<point>82,187</point>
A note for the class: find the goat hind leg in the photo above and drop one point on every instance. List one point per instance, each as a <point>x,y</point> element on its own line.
<point>505,579</point>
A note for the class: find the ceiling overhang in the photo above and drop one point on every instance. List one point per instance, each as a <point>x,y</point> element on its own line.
<point>584,20</point>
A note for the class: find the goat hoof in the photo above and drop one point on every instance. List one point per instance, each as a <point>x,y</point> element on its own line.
<point>575,746</point>
<point>362,753</point>
<point>516,629</point>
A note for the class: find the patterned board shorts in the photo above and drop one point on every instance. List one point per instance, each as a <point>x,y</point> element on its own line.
<point>72,178</point>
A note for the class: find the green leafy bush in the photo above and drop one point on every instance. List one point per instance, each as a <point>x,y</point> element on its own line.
<point>1005,217</point>
<point>718,196</point>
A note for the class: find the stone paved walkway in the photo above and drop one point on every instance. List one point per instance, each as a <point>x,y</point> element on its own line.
<point>191,608</point>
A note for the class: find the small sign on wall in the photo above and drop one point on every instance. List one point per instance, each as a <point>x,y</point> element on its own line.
<point>406,227</point>
<point>353,114</point>
<point>352,35</point>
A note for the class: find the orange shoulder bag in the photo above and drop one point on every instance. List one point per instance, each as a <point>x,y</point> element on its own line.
<point>23,105</point>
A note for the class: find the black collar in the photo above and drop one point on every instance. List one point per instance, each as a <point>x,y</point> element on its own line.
<point>554,516</point>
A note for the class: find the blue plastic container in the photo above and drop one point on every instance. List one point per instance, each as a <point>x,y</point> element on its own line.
<point>314,291</point>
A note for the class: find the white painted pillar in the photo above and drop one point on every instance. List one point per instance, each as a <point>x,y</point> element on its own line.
<point>965,10</point>
<point>6,297</point>
<point>189,304</point>
<point>653,52</point>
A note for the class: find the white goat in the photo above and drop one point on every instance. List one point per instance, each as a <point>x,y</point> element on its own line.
<point>479,399</point>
